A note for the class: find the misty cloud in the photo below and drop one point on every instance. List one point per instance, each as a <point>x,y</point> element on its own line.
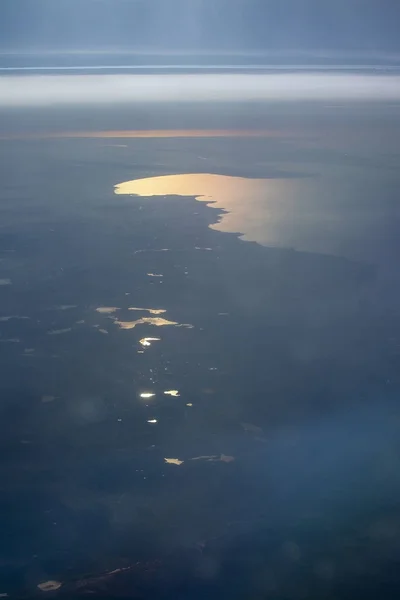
<point>100,89</point>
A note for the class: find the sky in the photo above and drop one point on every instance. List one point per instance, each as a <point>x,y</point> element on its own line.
<point>275,26</point>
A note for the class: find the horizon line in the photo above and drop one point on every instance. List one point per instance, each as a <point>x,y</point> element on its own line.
<point>239,67</point>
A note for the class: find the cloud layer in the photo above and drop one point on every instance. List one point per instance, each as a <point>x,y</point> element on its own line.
<point>102,89</point>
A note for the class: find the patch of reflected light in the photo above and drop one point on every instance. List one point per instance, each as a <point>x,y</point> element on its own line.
<point>174,393</point>
<point>162,133</point>
<point>66,307</point>
<point>59,331</point>
<point>251,207</point>
<point>49,586</point>
<point>145,342</point>
<point>152,311</point>
<point>152,250</point>
<point>107,310</point>
<point>12,317</point>
<point>146,395</point>
<point>173,461</point>
<point>156,321</point>
<point>215,458</point>
<point>208,458</point>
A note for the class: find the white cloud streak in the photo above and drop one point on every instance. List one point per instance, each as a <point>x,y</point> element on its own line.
<point>48,90</point>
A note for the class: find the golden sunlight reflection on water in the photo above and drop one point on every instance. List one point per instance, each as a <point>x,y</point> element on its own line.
<point>156,321</point>
<point>253,205</point>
